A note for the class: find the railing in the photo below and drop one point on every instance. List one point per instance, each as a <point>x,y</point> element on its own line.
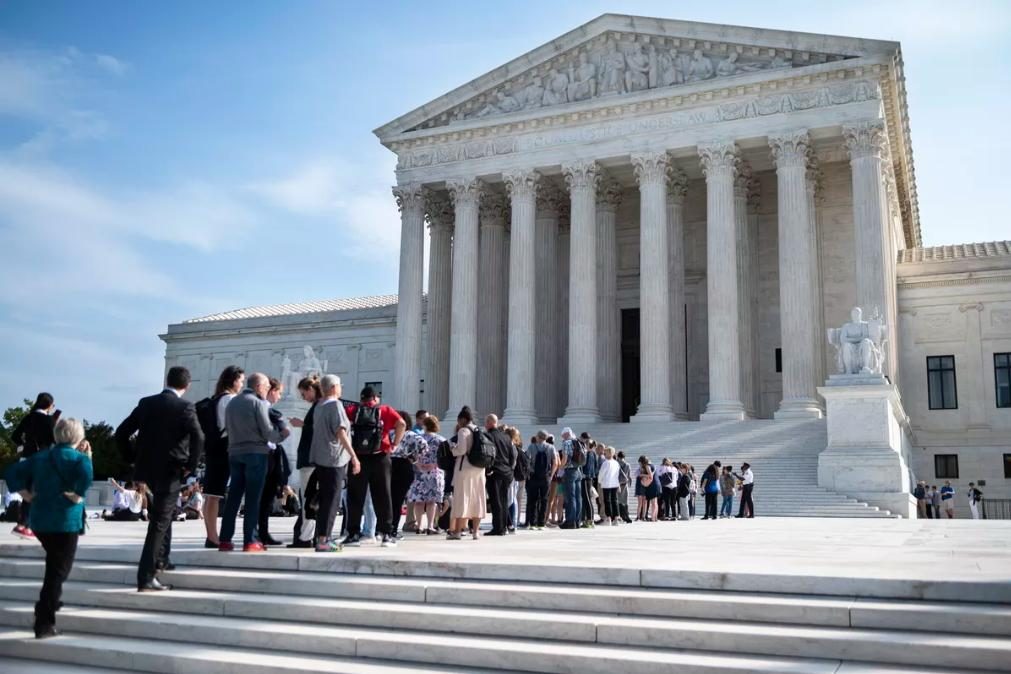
<point>996,508</point>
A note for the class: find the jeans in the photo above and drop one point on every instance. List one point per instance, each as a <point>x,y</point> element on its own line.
<point>248,472</point>
<point>573,482</point>
<point>158,542</point>
<point>60,550</point>
<point>372,483</point>
<point>727,508</point>
<point>514,503</point>
<point>537,502</point>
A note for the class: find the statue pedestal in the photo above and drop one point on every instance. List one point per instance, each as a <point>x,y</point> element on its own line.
<point>292,408</point>
<point>868,443</point>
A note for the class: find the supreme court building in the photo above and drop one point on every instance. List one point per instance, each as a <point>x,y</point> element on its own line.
<point>657,220</point>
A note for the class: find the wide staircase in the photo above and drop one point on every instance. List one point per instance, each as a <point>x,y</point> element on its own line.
<point>232,614</point>
<point>782,454</point>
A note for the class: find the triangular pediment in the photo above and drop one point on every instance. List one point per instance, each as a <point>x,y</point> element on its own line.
<point>618,55</point>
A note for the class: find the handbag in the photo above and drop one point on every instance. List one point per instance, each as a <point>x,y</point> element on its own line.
<point>63,487</point>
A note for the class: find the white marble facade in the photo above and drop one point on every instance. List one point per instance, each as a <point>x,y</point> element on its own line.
<point>742,188</point>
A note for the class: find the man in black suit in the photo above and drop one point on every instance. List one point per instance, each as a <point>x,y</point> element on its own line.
<point>167,448</point>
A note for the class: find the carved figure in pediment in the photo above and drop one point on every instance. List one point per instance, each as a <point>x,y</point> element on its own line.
<point>556,90</point>
<point>671,72</point>
<point>701,67</point>
<point>583,80</point>
<point>532,95</point>
<point>503,103</point>
<point>780,62</point>
<point>729,65</point>
<point>613,77</point>
<point>637,74</point>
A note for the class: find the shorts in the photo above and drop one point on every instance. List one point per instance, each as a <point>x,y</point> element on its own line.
<point>216,475</point>
<point>949,504</point>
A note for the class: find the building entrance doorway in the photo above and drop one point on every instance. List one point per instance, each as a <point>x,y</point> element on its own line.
<point>630,385</point>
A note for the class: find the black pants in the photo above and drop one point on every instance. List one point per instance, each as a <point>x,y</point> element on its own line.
<point>331,483</point>
<point>712,512</point>
<point>123,515</point>
<point>747,504</point>
<point>267,497</point>
<point>537,502</point>
<point>586,512</point>
<point>611,503</point>
<point>401,477</point>
<point>498,497</point>
<point>60,550</point>
<point>930,511</point>
<point>374,476</point>
<point>668,499</point>
<point>26,509</point>
<point>158,543</point>
<point>308,504</point>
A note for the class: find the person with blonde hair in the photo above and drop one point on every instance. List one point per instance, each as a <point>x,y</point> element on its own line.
<point>55,481</point>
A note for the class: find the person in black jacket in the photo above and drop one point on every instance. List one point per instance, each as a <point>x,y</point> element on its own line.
<point>500,476</point>
<point>33,434</point>
<point>278,467</point>
<point>684,489</point>
<point>308,482</point>
<point>167,448</point>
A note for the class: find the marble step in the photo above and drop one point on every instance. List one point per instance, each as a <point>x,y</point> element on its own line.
<point>619,645</point>
<point>21,666</point>
<point>294,620</point>
<point>982,619</point>
<point>381,562</point>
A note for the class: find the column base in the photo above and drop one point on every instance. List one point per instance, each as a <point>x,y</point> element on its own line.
<point>520,417</point>
<point>653,413</point>
<point>799,408</point>
<point>724,410</point>
<point>579,415</point>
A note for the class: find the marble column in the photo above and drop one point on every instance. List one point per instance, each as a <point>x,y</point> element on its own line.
<point>493,283</point>
<point>813,184</point>
<point>719,163</point>
<point>654,288</point>
<point>562,338</point>
<point>608,316</point>
<point>677,188</point>
<point>751,222</point>
<point>582,178</point>
<point>796,271</point>
<point>548,317</point>
<point>866,142</point>
<point>406,391</point>
<point>440,301</point>
<point>520,378</point>
<point>466,195</point>
<point>744,287</point>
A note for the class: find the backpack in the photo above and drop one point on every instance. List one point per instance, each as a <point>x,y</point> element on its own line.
<point>521,472</point>
<point>482,450</point>
<point>540,471</point>
<point>578,454</point>
<point>367,430</point>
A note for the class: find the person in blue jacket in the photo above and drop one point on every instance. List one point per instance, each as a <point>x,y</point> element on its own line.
<point>55,480</point>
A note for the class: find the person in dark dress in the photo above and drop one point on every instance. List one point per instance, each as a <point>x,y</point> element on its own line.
<point>33,434</point>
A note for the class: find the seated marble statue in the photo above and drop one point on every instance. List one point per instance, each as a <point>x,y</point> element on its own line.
<point>308,366</point>
<point>860,344</point>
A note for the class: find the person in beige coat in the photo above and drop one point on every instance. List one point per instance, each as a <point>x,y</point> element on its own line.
<point>469,505</point>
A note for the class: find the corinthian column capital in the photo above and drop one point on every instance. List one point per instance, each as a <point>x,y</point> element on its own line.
<point>677,185</point>
<point>790,148</point>
<point>465,191</point>
<point>494,209</point>
<point>743,179</point>
<point>609,195</point>
<point>582,175</point>
<point>439,210</point>
<point>865,139</point>
<point>550,198</point>
<point>650,168</point>
<point>718,157</point>
<point>522,183</point>
<point>410,197</point>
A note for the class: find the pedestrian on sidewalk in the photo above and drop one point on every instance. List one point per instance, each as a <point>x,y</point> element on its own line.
<point>332,455</point>
<point>543,463</point>
<point>975,498</point>
<point>608,477</point>
<point>747,478</point>
<point>935,502</point>
<point>55,481</point>
<point>308,483</point>
<point>727,484</point>
<point>948,499</point>
<point>624,479</point>
<point>33,433</point>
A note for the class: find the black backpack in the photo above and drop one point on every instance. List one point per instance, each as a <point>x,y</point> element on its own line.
<point>521,473</point>
<point>367,430</point>
<point>540,471</point>
<point>578,453</point>
<point>482,449</point>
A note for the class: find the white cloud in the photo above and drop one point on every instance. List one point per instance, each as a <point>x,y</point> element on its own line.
<point>111,64</point>
<point>312,189</point>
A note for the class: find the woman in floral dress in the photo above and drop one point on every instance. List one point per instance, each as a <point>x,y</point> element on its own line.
<point>429,483</point>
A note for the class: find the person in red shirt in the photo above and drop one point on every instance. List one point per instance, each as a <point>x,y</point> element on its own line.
<point>372,425</point>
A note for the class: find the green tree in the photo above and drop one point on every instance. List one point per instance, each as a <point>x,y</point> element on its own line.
<point>11,418</point>
<point>105,456</point>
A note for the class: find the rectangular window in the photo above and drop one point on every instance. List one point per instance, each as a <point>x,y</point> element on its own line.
<point>1007,466</point>
<point>779,360</point>
<point>946,466</point>
<point>941,392</point>
<point>1002,378</point>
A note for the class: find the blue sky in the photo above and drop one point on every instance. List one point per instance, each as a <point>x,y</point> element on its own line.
<point>160,161</point>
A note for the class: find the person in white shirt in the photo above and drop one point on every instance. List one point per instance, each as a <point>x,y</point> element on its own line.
<point>608,475</point>
<point>127,502</point>
<point>975,496</point>
<point>747,478</point>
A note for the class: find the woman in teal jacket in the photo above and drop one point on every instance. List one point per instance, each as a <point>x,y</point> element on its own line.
<point>55,480</point>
